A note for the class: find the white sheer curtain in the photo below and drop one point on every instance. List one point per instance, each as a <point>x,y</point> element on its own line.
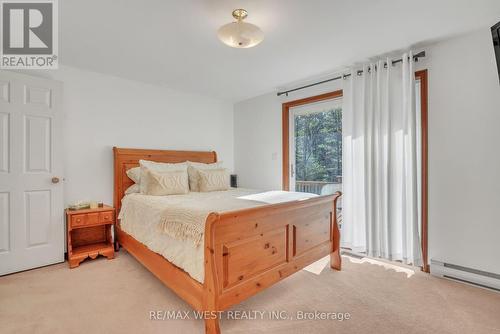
<point>380,202</point>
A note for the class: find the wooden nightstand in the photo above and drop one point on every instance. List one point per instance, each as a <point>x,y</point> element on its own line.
<point>89,234</point>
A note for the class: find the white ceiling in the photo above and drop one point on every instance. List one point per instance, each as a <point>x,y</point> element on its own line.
<point>174,42</point>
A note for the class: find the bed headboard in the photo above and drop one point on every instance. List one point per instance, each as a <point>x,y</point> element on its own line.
<point>126,158</point>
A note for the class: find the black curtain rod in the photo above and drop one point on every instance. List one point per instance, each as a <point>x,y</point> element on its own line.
<point>394,62</point>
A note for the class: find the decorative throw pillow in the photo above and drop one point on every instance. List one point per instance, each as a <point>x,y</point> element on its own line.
<point>166,183</point>
<point>135,174</point>
<point>213,179</point>
<point>132,189</point>
<point>158,167</point>
<point>194,167</point>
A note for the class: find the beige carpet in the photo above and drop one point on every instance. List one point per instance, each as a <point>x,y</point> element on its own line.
<point>117,296</point>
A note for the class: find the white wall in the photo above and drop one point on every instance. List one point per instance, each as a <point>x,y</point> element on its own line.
<point>464,149</point>
<point>103,111</point>
<point>464,152</point>
<point>257,142</point>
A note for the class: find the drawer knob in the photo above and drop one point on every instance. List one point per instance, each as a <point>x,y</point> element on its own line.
<point>78,220</point>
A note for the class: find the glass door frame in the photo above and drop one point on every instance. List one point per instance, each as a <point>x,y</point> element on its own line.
<point>286,128</point>
<point>291,133</point>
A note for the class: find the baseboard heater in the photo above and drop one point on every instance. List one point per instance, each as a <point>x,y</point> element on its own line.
<point>466,275</point>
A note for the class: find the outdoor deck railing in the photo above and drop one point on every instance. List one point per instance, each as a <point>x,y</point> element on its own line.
<point>315,187</point>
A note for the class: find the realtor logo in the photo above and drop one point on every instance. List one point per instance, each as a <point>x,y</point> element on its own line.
<point>29,34</point>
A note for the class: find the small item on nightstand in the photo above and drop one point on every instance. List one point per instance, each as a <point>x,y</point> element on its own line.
<point>100,204</point>
<point>93,205</point>
<point>80,205</point>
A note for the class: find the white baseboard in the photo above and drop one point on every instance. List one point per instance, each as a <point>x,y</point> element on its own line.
<point>466,275</point>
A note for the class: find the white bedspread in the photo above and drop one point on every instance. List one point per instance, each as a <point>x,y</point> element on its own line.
<point>143,217</point>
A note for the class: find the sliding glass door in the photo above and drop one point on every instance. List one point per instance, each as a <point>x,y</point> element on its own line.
<point>315,140</point>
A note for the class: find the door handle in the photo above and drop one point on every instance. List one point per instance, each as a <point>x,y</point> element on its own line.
<point>55,180</point>
<point>292,171</point>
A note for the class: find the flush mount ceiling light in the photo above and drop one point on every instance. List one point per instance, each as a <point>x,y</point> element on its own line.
<point>240,34</point>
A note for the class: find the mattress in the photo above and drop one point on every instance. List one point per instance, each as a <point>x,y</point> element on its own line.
<point>141,215</point>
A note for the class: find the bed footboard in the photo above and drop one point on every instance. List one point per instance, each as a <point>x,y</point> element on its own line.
<point>249,250</point>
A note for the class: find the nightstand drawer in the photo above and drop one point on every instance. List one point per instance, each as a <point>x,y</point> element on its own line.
<point>106,217</point>
<point>88,219</point>
<point>78,220</point>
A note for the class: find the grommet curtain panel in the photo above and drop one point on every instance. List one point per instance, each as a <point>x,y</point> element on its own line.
<point>381,163</point>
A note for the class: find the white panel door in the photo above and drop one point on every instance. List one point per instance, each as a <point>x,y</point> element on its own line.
<point>31,190</point>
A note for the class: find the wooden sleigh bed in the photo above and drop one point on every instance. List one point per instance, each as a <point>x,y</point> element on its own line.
<point>246,250</point>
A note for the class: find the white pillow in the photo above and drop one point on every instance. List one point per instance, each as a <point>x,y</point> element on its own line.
<point>132,189</point>
<point>158,167</point>
<point>135,174</point>
<point>194,167</point>
<point>166,183</point>
<point>213,179</point>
